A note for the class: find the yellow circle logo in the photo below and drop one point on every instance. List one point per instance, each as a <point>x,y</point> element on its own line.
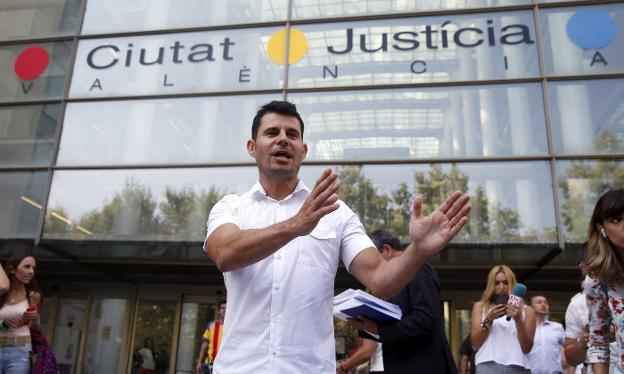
<point>277,46</point>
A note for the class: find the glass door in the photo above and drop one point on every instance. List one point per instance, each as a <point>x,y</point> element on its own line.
<point>68,332</point>
<point>154,332</point>
<point>106,333</point>
<point>197,311</point>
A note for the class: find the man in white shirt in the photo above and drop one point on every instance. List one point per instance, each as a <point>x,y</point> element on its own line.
<point>546,356</point>
<point>279,247</point>
<point>576,322</point>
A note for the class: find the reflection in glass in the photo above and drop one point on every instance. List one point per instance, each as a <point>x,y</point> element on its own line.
<point>38,19</point>
<point>303,9</point>
<point>174,131</point>
<point>21,195</point>
<point>512,202</point>
<point>67,333</point>
<point>163,204</point>
<point>46,80</point>
<point>418,50</point>
<point>27,133</point>
<point>565,56</point>
<point>210,61</point>
<point>588,116</point>
<point>580,185</point>
<point>491,120</point>
<point>195,317</point>
<point>106,331</point>
<point>155,320</point>
<point>113,16</point>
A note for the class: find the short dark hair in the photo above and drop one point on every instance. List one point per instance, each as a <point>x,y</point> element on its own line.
<point>280,107</point>
<point>381,237</point>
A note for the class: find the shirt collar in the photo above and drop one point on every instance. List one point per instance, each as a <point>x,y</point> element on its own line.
<point>258,191</point>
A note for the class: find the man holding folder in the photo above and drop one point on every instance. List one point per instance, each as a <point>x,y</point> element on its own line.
<point>417,343</point>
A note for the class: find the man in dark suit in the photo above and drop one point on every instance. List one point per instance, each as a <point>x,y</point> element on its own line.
<point>417,343</point>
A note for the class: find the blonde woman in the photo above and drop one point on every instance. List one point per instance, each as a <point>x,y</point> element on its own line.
<point>503,344</point>
<point>605,291</point>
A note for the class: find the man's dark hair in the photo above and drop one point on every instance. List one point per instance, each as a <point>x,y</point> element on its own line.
<point>284,108</point>
<point>381,237</point>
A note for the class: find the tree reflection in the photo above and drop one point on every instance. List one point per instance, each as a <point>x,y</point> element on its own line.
<point>180,214</point>
<point>489,221</point>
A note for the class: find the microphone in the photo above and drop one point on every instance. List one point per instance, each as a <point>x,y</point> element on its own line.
<point>517,294</point>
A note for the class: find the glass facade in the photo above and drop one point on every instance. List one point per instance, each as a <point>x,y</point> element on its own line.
<point>122,123</point>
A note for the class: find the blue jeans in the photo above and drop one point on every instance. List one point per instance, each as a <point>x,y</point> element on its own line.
<point>15,360</point>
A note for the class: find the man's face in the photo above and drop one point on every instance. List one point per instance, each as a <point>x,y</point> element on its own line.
<point>222,311</point>
<point>540,304</point>
<point>278,148</point>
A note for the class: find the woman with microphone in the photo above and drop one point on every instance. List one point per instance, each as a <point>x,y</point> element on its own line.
<point>503,343</point>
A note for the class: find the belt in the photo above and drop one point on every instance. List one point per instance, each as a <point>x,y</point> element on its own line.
<point>11,341</point>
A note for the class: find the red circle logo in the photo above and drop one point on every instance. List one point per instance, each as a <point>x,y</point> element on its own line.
<point>31,63</point>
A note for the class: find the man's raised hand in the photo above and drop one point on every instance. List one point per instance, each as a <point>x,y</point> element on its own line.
<point>323,199</point>
<point>431,233</point>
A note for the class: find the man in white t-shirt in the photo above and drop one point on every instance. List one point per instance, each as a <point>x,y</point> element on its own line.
<point>279,246</point>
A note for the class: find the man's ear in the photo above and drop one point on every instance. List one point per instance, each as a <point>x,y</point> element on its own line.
<point>305,150</point>
<point>251,147</point>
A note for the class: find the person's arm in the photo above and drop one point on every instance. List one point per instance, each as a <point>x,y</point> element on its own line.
<point>34,316</point>
<point>366,351</point>
<point>564,363</point>
<point>202,356</point>
<point>428,235</point>
<point>524,327</point>
<point>599,324</point>
<point>463,364</point>
<point>480,329</point>
<point>575,350</point>
<point>5,284</point>
<point>577,333</point>
<point>231,248</point>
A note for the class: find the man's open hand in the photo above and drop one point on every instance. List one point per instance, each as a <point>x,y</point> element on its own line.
<point>323,199</point>
<point>431,233</point>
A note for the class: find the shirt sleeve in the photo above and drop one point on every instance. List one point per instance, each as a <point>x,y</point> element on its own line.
<point>573,320</point>
<point>354,238</point>
<point>223,212</point>
<point>599,323</point>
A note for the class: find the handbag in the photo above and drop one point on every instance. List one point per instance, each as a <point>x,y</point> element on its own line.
<point>45,362</point>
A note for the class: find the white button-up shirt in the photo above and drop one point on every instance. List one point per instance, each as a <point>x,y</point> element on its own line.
<point>545,356</point>
<point>279,317</point>
<point>575,321</point>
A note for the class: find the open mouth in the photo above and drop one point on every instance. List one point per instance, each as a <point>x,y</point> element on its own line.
<point>282,155</point>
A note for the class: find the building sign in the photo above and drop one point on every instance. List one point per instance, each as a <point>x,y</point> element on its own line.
<point>228,60</point>
<point>472,47</point>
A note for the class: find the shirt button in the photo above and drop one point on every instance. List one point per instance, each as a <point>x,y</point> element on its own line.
<point>276,288</point>
<point>279,257</point>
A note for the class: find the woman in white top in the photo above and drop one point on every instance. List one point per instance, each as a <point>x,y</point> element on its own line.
<point>502,345</point>
<point>15,343</point>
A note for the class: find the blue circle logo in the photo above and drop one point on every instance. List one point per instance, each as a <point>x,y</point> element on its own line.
<point>591,29</point>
